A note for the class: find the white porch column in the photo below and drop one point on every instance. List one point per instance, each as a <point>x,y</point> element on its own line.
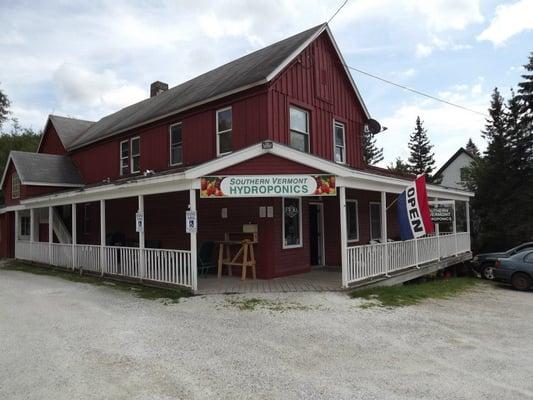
<point>344,236</point>
<point>437,233</point>
<point>455,228</point>
<point>194,251</point>
<point>17,224</point>
<point>142,268</point>
<point>50,232</point>
<point>32,231</point>
<point>74,235</point>
<point>467,203</point>
<point>384,234</point>
<point>102,236</point>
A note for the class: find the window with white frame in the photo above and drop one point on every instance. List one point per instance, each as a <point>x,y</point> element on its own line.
<point>299,129</point>
<point>375,221</point>
<point>176,149</point>
<point>339,137</point>
<point>15,186</point>
<point>224,125</point>
<point>292,222</point>
<point>124,157</point>
<point>135,155</point>
<point>352,220</point>
<point>25,228</point>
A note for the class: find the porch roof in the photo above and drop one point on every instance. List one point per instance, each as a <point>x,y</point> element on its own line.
<point>186,179</point>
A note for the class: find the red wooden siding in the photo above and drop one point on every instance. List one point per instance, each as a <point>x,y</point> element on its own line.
<point>317,82</point>
<point>99,161</point>
<point>7,235</point>
<point>6,188</point>
<point>51,144</point>
<point>267,164</point>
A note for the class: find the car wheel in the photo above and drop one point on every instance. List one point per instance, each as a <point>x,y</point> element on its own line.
<point>521,281</point>
<point>487,272</point>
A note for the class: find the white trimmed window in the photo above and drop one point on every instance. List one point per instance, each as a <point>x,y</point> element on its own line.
<point>375,220</point>
<point>15,186</point>
<point>124,157</point>
<point>224,125</point>
<point>176,145</point>
<point>25,228</point>
<point>339,137</point>
<point>299,129</point>
<point>292,222</point>
<point>135,144</point>
<point>352,220</point>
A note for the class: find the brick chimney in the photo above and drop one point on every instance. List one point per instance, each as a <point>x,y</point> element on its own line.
<point>158,87</point>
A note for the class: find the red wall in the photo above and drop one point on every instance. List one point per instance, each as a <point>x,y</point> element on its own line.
<point>317,82</point>
<point>267,164</point>
<point>7,235</point>
<point>51,144</point>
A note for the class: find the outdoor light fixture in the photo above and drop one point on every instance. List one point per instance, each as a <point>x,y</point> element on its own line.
<point>267,144</point>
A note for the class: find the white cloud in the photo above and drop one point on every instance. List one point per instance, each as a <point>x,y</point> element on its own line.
<point>444,15</point>
<point>448,127</point>
<point>437,43</point>
<point>509,20</point>
<point>423,50</point>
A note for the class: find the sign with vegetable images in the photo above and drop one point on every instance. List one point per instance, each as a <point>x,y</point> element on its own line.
<point>267,186</point>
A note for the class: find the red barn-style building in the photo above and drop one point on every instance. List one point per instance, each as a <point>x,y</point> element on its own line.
<point>265,150</point>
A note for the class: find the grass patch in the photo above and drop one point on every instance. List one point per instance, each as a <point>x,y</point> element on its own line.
<point>413,293</point>
<point>253,303</point>
<point>167,295</point>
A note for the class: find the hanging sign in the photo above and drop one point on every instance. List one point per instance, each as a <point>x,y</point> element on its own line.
<point>441,215</point>
<point>139,222</point>
<point>267,186</point>
<point>191,222</point>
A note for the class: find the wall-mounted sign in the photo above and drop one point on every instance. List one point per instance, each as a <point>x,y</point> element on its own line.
<point>441,214</point>
<point>267,186</point>
<point>139,222</point>
<point>191,222</point>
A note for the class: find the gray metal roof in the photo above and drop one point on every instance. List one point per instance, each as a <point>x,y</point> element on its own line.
<point>47,169</point>
<point>69,129</point>
<point>246,71</point>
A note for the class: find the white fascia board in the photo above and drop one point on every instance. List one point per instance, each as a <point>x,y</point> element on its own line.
<point>74,185</point>
<point>12,208</point>
<point>9,159</point>
<point>169,183</point>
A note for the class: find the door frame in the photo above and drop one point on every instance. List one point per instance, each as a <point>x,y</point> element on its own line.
<point>322,235</point>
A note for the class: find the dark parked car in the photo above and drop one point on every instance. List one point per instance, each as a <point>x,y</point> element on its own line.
<point>483,263</point>
<point>516,270</point>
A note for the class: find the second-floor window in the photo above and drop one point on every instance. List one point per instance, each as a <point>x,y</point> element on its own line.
<point>130,156</point>
<point>15,186</point>
<point>299,129</point>
<point>340,142</point>
<point>224,125</point>
<point>176,150</point>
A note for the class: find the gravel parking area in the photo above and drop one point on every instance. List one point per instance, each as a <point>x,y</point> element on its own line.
<point>67,340</point>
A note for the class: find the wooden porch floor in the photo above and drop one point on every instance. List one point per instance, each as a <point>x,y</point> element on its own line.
<point>318,280</point>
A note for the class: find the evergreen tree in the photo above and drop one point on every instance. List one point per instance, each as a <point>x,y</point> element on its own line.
<point>371,153</point>
<point>421,160</point>
<point>525,96</point>
<point>472,148</point>
<point>4,107</point>
<point>399,166</point>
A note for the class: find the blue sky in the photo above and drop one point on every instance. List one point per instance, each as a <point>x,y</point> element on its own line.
<point>88,59</point>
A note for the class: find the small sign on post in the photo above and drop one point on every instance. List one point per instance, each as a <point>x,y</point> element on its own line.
<point>441,214</point>
<point>139,222</point>
<point>191,222</point>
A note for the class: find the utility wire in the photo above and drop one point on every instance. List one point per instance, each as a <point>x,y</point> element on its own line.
<point>415,91</point>
<point>412,90</point>
<point>338,10</point>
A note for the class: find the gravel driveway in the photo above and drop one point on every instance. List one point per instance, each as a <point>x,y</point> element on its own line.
<point>66,340</point>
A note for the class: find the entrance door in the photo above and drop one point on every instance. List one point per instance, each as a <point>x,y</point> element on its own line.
<point>316,233</point>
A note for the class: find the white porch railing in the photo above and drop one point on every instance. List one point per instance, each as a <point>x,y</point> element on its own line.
<point>167,266</point>
<point>373,260</point>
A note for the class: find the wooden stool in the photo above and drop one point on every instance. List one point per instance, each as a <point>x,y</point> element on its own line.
<point>246,251</point>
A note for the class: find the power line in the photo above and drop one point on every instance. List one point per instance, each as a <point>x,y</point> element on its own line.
<point>416,91</point>
<point>336,12</point>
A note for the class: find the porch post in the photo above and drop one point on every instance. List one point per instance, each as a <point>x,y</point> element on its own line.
<point>455,228</point>
<point>50,232</point>
<point>194,251</point>
<point>74,235</point>
<point>102,236</point>
<point>16,231</point>
<point>344,236</point>
<point>32,231</point>
<point>467,216</point>
<point>384,234</point>
<point>141,239</point>
<point>437,233</point>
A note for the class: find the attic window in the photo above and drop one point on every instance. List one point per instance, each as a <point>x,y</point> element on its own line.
<point>15,186</point>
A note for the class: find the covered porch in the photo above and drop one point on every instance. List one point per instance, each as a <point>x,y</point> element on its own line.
<point>329,242</point>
